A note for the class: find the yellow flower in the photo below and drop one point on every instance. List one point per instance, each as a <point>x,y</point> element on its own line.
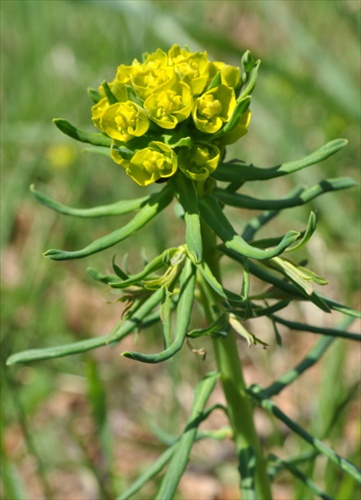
<point>98,110</point>
<point>169,107</point>
<point>125,73</point>
<point>200,161</point>
<point>149,164</point>
<point>155,60</point>
<point>124,121</point>
<point>192,67</point>
<point>230,75</point>
<point>148,80</point>
<point>214,108</point>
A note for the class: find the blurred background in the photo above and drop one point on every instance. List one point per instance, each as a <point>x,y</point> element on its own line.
<point>85,426</point>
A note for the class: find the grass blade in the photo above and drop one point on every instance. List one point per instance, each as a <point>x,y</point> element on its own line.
<point>183,448</point>
<point>302,477</point>
<point>342,463</point>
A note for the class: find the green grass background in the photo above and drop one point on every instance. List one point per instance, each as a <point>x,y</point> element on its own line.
<point>51,51</point>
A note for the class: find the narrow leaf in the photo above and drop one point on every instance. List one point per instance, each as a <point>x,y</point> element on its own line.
<point>217,329</point>
<point>305,196</point>
<point>310,229</point>
<point>304,327</point>
<point>94,95</point>
<point>125,327</point>
<point>80,135</point>
<point>164,259</point>
<point>148,212</point>
<point>109,94</point>
<point>213,215</point>
<point>119,208</point>
<point>188,198</point>
<point>243,332</point>
<point>240,171</point>
<point>184,310</point>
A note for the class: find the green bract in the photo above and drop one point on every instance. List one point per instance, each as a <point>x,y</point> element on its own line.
<point>200,161</point>
<point>172,98</point>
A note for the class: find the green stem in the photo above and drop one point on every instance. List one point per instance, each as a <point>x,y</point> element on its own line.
<point>255,482</point>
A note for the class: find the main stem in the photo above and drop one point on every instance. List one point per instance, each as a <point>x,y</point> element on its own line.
<point>252,462</point>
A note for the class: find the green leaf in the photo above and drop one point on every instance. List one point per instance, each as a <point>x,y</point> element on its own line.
<point>183,448</point>
<point>207,274</point>
<point>250,82</point>
<point>234,171</point>
<point>164,259</point>
<point>217,329</point>
<point>246,282</point>
<point>133,96</point>
<point>166,317</point>
<point>122,330</point>
<point>80,135</point>
<point>216,80</point>
<point>188,198</point>
<point>109,94</point>
<point>299,275</point>
<point>310,229</point>
<point>184,309</point>
<point>213,215</point>
<point>303,197</point>
<point>241,107</point>
<point>304,327</point>
<point>247,61</point>
<point>94,95</point>
<point>243,332</point>
<point>148,212</point>
<point>289,290</point>
<point>119,208</point>
<point>102,278</point>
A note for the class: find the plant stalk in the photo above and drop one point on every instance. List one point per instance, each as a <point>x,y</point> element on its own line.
<point>255,482</point>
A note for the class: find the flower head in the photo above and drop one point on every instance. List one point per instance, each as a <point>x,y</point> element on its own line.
<point>171,109</point>
<point>200,161</point>
<point>214,108</point>
<point>124,121</point>
<point>170,106</point>
<point>149,164</point>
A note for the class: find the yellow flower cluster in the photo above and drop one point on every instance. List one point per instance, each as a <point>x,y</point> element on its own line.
<point>171,111</point>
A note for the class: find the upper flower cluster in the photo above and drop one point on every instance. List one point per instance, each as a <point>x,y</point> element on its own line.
<point>173,110</point>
